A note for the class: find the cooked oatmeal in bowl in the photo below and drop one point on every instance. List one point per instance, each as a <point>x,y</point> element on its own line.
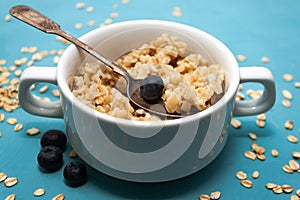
<point>128,143</point>
<point>189,81</point>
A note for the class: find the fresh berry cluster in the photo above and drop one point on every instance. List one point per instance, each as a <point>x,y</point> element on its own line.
<point>50,158</point>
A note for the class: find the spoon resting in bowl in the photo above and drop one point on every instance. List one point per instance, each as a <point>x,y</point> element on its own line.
<point>144,93</point>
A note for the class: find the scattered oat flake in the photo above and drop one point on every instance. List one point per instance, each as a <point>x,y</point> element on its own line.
<point>288,77</point>
<point>271,185</point>
<point>32,131</point>
<point>177,12</point>
<point>289,124</point>
<point>3,176</point>
<point>249,154</point>
<point>287,169</point>
<point>260,123</point>
<point>2,62</point>
<point>24,50</point>
<point>287,94</point>
<point>18,72</point>
<point>2,117</point>
<point>294,165</point>
<point>55,93</point>
<point>286,103</point>
<point>277,189</point>
<point>114,15</point>
<point>204,197</point>
<point>296,154</point>
<point>240,96</point>
<point>72,154</point>
<point>287,188</point>
<point>241,175</point>
<point>274,153</point>
<point>12,68</point>
<point>215,195</point>
<point>241,58</point>
<point>265,59</point>
<point>236,123</point>
<point>255,174</point>
<point>240,88</point>
<point>90,9</point>
<point>32,49</point>
<point>294,197</point>
<point>59,197</point>
<point>125,1</point>
<point>78,26</point>
<point>11,197</point>
<point>298,192</point>
<point>297,84</point>
<point>43,89</point>
<point>39,192</point>
<point>11,120</point>
<point>246,183</point>
<point>262,116</point>
<point>56,59</point>
<point>11,181</point>
<point>252,136</point>
<point>18,127</point>
<point>292,138</point>
<point>108,21</point>
<point>261,157</point>
<point>80,5</point>
<point>7,18</point>
<point>91,23</point>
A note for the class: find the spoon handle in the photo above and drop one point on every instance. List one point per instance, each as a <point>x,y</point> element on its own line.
<point>43,23</point>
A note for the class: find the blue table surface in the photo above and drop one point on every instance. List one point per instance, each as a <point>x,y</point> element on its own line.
<point>254,28</point>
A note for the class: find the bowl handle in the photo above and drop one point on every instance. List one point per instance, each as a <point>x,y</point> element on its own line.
<point>30,103</point>
<point>265,101</point>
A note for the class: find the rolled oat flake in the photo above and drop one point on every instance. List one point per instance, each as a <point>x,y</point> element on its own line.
<point>39,192</point>
<point>287,188</point>
<point>241,175</point>
<point>11,197</point>
<point>255,174</point>
<point>249,154</point>
<point>294,165</point>
<point>296,154</point>
<point>271,185</point>
<point>247,183</point>
<point>204,197</point>
<point>3,176</point>
<point>11,181</point>
<point>59,197</point>
<point>277,189</point>
<point>215,195</point>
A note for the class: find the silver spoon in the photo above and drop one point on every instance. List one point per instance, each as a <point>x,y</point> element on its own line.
<point>43,23</point>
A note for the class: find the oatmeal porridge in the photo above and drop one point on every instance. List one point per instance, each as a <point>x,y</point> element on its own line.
<point>188,80</point>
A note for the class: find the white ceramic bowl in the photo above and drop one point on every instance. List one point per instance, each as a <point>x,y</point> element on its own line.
<point>146,151</point>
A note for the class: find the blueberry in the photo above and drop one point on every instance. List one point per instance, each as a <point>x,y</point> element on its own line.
<point>75,174</point>
<point>152,88</point>
<point>50,158</point>
<point>55,138</point>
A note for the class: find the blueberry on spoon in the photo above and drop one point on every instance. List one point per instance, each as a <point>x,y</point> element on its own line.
<point>152,88</point>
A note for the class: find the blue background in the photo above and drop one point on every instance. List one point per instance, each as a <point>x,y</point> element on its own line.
<point>254,28</point>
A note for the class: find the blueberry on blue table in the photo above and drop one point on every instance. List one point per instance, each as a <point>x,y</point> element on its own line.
<point>55,138</point>
<point>50,158</point>
<point>152,88</point>
<point>75,174</point>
